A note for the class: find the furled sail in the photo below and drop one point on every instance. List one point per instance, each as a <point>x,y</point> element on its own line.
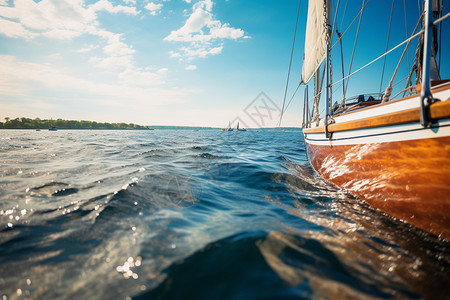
<point>315,40</point>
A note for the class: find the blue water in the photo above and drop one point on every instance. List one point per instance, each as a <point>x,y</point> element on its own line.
<point>184,214</point>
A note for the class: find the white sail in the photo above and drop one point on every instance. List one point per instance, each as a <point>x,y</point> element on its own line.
<point>315,39</point>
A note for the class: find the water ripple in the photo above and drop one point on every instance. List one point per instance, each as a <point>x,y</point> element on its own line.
<point>176,214</point>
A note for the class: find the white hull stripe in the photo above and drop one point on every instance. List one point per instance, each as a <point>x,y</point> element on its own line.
<point>381,135</point>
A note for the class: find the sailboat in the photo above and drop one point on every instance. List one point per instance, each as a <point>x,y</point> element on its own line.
<point>392,153</point>
<point>240,129</point>
<point>229,128</point>
<point>51,127</point>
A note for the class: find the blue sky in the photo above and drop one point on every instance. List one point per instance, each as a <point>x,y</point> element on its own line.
<point>157,62</point>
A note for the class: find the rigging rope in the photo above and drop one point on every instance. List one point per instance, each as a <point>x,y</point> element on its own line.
<point>414,67</point>
<point>379,57</point>
<point>393,49</point>
<point>408,40</point>
<point>354,46</point>
<point>342,54</point>
<point>335,17</point>
<point>387,45</point>
<point>349,26</point>
<point>293,95</point>
<point>343,15</point>
<point>290,64</point>
<point>406,31</point>
<point>388,91</point>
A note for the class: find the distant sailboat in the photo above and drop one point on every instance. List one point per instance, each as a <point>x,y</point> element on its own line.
<point>240,129</point>
<point>51,127</point>
<point>228,128</point>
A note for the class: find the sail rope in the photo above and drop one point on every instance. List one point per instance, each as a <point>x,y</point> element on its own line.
<point>349,26</point>
<point>293,95</point>
<point>414,67</point>
<point>379,57</point>
<point>441,19</point>
<point>402,91</point>
<point>408,40</point>
<point>354,48</point>
<point>342,51</point>
<point>406,30</point>
<point>335,17</point>
<point>343,15</point>
<point>388,90</point>
<point>318,87</point>
<point>386,53</point>
<point>290,64</point>
<point>387,45</point>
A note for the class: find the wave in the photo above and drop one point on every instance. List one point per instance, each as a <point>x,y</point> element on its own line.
<point>273,265</point>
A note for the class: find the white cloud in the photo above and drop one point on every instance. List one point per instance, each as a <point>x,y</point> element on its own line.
<point>153,8</point>
<point>22,78</point>
<point>56,18</point>
<point>67,19</point>
<point>116,47</point>
<point>53,57</point>
<point>15,30</point>
<point>191,67</point>
<point>61,34</point>
<point>198,50</point>
<point>86,49</point>
<point>50,15</point>
<point>174,54</point>
<point>112,63</point>
<point>107,6</point>
<point>139,77</point>
<point>163,71</point>
<point>203,32</point>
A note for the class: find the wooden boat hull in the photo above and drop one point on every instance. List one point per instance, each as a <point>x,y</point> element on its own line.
<point>392,163</point>
<point>409,180</point>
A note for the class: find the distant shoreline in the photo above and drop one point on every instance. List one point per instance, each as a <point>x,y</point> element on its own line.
<point>39,124</point>
<point>60,124</point>
<point>75,129</point>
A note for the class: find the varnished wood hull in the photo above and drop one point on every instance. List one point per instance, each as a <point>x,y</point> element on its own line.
<point>409,180</point>
<point>386,158</point>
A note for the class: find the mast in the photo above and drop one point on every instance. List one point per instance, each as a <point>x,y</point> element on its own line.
<point>426,98</point>
<point>317,45</point>
<point>327,7</point>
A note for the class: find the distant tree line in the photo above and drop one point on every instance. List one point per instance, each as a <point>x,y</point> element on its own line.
<point>26,123</point>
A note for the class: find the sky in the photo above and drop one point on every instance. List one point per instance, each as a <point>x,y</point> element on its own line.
<point>162,62</point>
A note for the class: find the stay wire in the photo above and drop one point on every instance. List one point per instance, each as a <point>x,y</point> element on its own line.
<point>354,45</point>
<point>293,95</point>
<point>406,32</point>
<point>290,64</point>
<point>387,46</point>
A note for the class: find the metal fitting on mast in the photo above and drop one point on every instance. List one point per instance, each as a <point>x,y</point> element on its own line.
<point>426,98</point>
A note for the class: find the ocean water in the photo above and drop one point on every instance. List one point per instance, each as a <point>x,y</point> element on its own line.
<point>185,214</point>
